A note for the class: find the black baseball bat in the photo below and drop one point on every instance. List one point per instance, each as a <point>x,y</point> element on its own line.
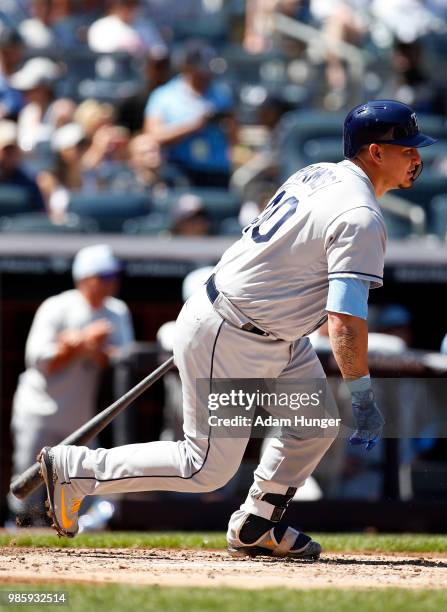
<point>31,479</point>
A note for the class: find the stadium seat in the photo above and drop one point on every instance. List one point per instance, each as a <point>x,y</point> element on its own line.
<point>435,46</point>
<point>110,210</point>
<point>151,224</point>
<point>244,67</point>
<point>305,137</point>
<point>213,28</point>
<point>397,227</point>
<point>36,223</point>
<point>14,200</point>
<point>104,76</point>
<point>326,149</point>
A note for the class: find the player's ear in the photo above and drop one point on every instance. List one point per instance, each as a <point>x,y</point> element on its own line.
<point>375,152</point>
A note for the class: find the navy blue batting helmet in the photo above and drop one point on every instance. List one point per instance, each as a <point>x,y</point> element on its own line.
<point>382,121</point>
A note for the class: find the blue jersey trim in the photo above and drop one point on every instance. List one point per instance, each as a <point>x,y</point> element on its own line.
<point>356,272</point>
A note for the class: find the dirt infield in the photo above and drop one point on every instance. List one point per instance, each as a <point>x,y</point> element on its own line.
<point>215,568</point>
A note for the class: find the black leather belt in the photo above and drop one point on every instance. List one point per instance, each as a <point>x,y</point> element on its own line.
<point>213,293</point>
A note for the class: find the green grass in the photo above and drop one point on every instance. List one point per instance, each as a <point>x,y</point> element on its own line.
<point>128,598</point>
<point>361,542</point>
<point>115,539</point>
<point>383,542</point>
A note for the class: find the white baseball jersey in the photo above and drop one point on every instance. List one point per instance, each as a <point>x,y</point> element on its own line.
<point>324,222</point>
<point>68,395</point>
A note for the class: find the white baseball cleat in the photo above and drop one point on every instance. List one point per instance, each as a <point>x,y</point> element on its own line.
<point>62,504</point>
<point>279,541</point>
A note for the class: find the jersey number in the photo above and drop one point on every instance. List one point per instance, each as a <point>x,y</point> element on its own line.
<point>271,219</point>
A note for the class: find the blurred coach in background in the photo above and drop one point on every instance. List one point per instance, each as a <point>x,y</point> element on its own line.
<point>72,338</point>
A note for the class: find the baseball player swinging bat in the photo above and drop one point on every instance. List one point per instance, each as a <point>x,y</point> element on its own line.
<point>31,479</point>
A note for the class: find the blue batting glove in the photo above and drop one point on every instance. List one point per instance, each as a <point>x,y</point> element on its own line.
<point>369,419</point>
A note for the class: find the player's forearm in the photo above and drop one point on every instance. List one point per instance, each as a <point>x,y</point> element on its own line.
<point>73,344</point>
<point>64,356</point>
<point>167,134</point>
<point>92,158</point>
<point>100,356</point>
<point>349,341</point>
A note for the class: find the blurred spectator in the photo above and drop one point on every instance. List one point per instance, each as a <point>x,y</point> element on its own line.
<point>82,165</point>
<point>188,216</point>
<point>72,339</point>
<point>92,115</point>
<point>11,172</point>
<point>271,111</point>
<point>148,166</point>
<point>56,23</point>
<point>341,21</point>
<point>11,48</point>
<point>297,9</point>
<point>61,112</point>
<point>109,145</point>
<point>12,11</point>
<point>36,31</point>
<point>36,79</point>
<point>95,7</point>
<point>408,20</point>
<point>259,25</point>
<point>260,166</point>
<point>259,21</point>
<point>409,82</point>
<point>192,116</point>
<point>67,175</point>
<point>107,156</point>
<point>158,67</point>
<point>123,30</point>
<point>146,171</point>
<point>70,20</point>
<point>155,72</point>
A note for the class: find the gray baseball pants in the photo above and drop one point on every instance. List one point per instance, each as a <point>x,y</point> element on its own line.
<point>208,347</point>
